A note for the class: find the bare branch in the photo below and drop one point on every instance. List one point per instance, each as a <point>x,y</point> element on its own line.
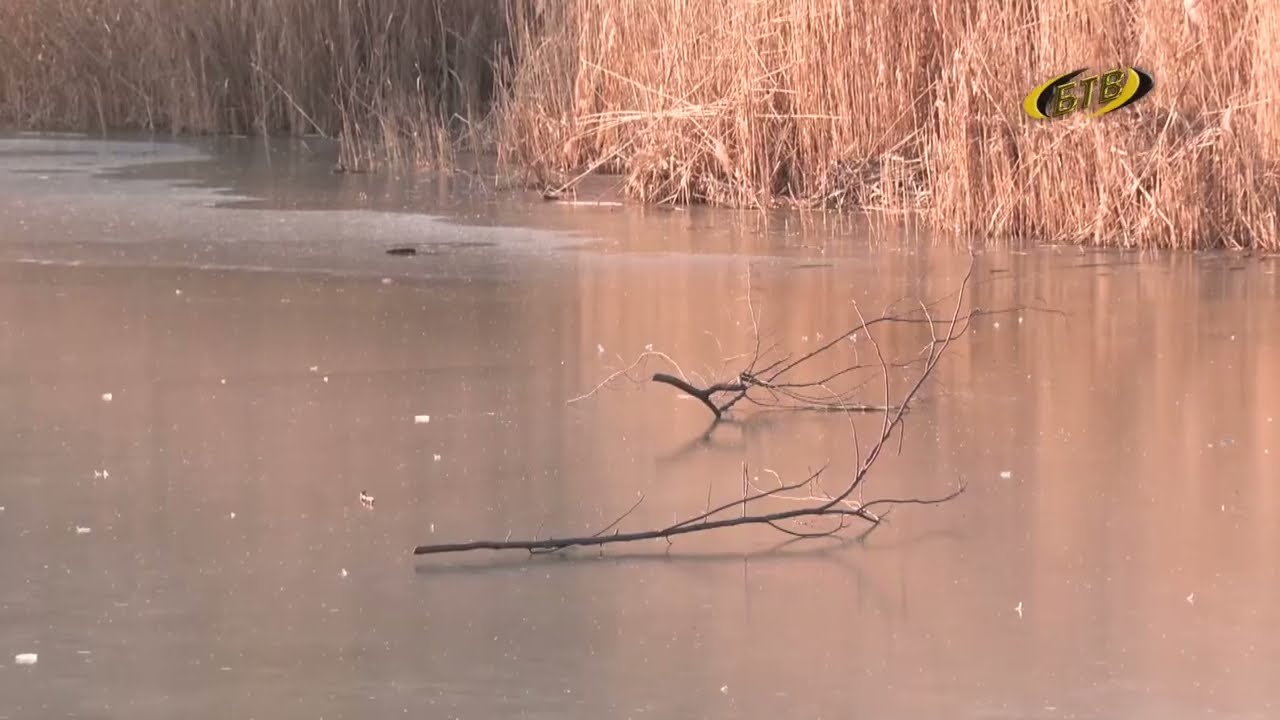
<point>772,387</point>
<point>626,372</point>
<point>702,394</point>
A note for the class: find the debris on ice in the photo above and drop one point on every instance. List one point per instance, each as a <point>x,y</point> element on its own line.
<point>26,658</point>
<point>421,419</point>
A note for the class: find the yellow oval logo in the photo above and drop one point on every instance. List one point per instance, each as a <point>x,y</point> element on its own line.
<point>1105,92</point>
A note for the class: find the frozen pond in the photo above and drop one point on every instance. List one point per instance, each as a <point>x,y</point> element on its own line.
<point>195,547</point>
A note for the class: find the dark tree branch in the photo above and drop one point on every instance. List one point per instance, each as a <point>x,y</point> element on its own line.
<point>772,387</point>
<point>665,533</point>
<point>703,394</point>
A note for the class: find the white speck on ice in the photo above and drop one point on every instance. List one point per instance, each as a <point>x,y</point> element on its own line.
<point>177,292</point>
<point>433,527</point>
<point>436,457</point>
<point>386,281</point>
<point>81,530</point>
<point>223,381</point>
<point>599,349</point>
<point>1191,599</point>
<point>233,516</point>
<point>344,572</point>
<point>26,658</point>
<point>325,378</point>
<point>421,419</point>
<point>101,474</point>
<point>106,397</point>
<point>724,689</point>
<point>314,368</point>
<point>1006,474</point>
<point>996,325</point>
<point>1018,610</point>
<point>649,347</point>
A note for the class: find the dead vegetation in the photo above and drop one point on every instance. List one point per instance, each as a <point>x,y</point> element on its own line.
<point>395,80</point>
<point>877,382</point>
<point>910,106</point>
<point>916,106</point>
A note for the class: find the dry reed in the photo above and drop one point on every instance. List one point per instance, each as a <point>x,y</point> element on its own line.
<point>397,80</point>
<point>916,106</point>
<point>904,106</point>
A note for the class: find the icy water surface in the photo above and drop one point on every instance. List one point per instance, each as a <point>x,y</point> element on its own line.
<point>195,546</point>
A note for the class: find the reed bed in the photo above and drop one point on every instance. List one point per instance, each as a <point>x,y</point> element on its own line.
<point>395,80</point>
<point>910,106</point>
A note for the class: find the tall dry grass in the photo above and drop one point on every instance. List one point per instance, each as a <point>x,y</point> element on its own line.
<point>398,80</point>
<point>916,105</point>
<point>912,105</point>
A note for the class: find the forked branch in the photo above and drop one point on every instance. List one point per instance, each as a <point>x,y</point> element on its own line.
<point>781,383</point>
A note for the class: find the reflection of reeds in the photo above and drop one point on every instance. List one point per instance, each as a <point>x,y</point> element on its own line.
<point>904,106</point>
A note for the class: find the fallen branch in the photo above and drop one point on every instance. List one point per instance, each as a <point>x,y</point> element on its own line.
<point>704,394</point>
<point>780,384</point>
<point>553,544</point>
